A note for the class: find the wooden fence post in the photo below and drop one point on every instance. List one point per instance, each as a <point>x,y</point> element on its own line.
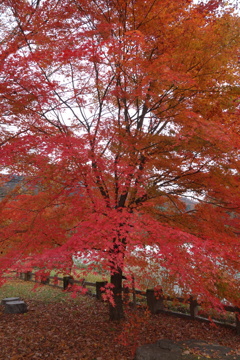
<point>126,295</point>
<point>21,275</point>
<point>99,285</point>
<point>237,314</point>
<point>193,306</point>
<point>67,282</point>
<point>134,292</point>
<point>154,300</point>
<point>26,276</point>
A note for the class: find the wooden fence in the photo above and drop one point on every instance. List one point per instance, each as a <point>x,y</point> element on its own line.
<point>152,298</point>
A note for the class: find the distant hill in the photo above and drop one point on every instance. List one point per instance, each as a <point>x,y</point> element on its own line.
<point>190,204</point>
<point>9,185</point>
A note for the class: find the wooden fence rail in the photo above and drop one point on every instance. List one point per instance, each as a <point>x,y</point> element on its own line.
<point>154,299</point>
<point>64,283</point>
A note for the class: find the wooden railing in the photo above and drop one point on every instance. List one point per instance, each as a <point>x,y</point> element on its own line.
<point>64,283</point>
<point>154,299</point>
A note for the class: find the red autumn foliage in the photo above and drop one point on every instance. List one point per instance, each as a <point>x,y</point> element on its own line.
<point>112,113</point>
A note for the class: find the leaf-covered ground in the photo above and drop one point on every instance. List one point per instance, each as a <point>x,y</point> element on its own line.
<point>70,329</point>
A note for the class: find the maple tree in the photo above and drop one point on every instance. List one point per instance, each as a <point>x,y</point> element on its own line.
<point>113,112</point>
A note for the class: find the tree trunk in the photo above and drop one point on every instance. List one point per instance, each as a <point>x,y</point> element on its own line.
<point>116,312</point>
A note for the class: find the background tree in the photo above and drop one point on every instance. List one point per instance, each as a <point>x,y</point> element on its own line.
<point>118,110</point>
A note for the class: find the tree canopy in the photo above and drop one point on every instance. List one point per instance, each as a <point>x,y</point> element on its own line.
<point>113,112</point>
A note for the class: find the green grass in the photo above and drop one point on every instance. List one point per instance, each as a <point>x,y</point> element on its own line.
<point>30,290</point>
<point>25,290</point>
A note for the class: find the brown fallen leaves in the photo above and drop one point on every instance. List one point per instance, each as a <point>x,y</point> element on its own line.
<point>70,330</point>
